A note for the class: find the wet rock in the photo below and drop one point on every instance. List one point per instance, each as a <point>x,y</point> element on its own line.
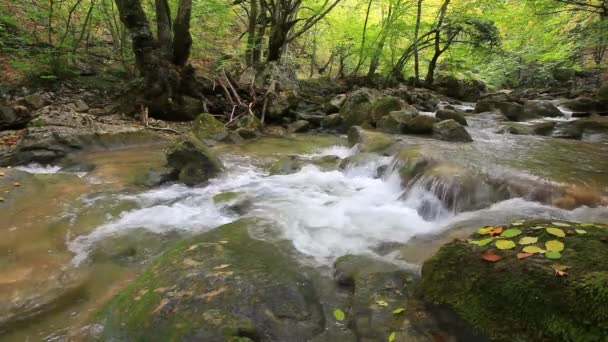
<point>293,163</point>
<point>10,119</point>
<point>369,141</point>
<point>446,114</point>
<point>35,101</point>
<point>420,124</point>
<point>132,247</point>
<point>450,130</point>
<point>313,118</point>
<point>486,105</point>
<point>541,107</point>
<point>526,299</point>
<point>246,133</point>
<point>335,104</point>
<point>80,106</point>
<point>332,121</point>
<point>275,131</point>
<point>225,197</point>
<point>384,106</point>
<point>465,90</point>
<point>218,286</point>
<point>298,126</point>
<point>207,127</point>
<point>541,128</point>
<point>567,130</point>
<point>515,112</point>
<point>357,107</point>
<point>581,104</point>
<point>393,122</point>
<point>192,161</point>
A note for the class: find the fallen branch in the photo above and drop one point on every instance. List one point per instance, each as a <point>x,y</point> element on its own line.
<point>162,129</point>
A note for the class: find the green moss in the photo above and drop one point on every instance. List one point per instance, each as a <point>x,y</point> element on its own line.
<point>516,299</point>
<point>38,123</point>
<point>206,126</point>
<point>384,106</point>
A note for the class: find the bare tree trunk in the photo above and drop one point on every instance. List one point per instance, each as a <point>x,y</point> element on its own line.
<point>182,40</point>
<point>163,27</point>
<point>360,62</point>
<point>416,33</point>
<point>258,50</point>
<point>251,33</point>
<point>430,76</point>
<point>145,47</point>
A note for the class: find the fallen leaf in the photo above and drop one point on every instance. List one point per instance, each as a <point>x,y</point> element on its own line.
<point>381,303</point>
<point>533,249</point>
<point>480,243</point>
<point>554,246</point>
<point>524,255</point>
<point>556,231</point>
<point>587,225</point>
<point>518,223</point>
<point>580,231</point>
<point>221,267</point>
<point>509,233</point>
<point>392,337</point>
<point>553,255</point>
<point>1,199</point>
<point>339,315</point>
<point>538,227</point>
<point>505,244</point>
<point>490,256</point>
<point>496,231</point>
<point>528,240</point>
<point>398,311</point>
<point>559,267</point>
<point>560,224</point>
<point>1,174</point>
<point>485,230</point>
<point>16,184</point>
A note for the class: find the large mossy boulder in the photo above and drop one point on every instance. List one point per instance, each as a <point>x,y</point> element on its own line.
<point>192,161</point>
<point>447,114</point>
<point>394,121</point>
<point>219,286</point>
<point>356,109</point>
<point>541,107</point>
<point>450,130</point>
<point>369,141</point>
<point>207,127</point>
<point>515,112</point>
<point>420,124</point>
<point>550,295</point>
<point>384,106</point>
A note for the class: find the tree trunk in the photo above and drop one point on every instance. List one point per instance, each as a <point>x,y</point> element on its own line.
<point>258,50</point>
<point>163,27</point>
<point>251,33</point>
<point>145,47</point>
<point>182,40</point>
<point>360,62</point>
<point>276,42</point>
<point>416,33</point>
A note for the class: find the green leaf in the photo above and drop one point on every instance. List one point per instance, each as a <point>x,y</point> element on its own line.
<point>392,337</point>
<point>339,314</point>
<point>553,255</point>
<point>556,231</point>
<point>528,240</point>
<point>509,233</point>
<point>480,243</point>
<point>381,303</point>
<point>518,223</point>
<point>398,311</point>
<point>587,225</point>
<point>560,224</point>
<point>505,244</point>
<point>580,231</point>
<point>485,230</point>
<point>533,249</point>
<point>554,246</point>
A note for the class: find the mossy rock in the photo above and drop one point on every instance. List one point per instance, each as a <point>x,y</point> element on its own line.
<point>525,299</point>
<point>384,106</point>
<point>225,197</point>
<point>293,163</point>
<point>192,161</point>
<point>207,127</point>
<point>420,124</point>
<point>393,122</point>
<point>369,141</point>
<point>219,286</point>
<point>357,109</point>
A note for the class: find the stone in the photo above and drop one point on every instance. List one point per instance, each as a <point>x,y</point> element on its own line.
<point>298,126</point>
<point>515,112</point>
<point>541,107</point>
<point>450,130</point>
<point>332,121</point>
<point>465,90</point>
<point>335,104</point>
<point>35,101</point>
<point>222,285</point>
<point>293,163</point>
<point>525,300</point>
<point>98,112</point>
<point>567,130</point>
<point>207,127</point>
<point>80,106</point>
<point>446,114</point>
<point>581,104</point>
<point>357,107</point>
<point>420,124</point>
<point>10,118</point>
<point>369,141</point>
<point>246,133</point>
<point>384,106</point>
<point>192,161</point>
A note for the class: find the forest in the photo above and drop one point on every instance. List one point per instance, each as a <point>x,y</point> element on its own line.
<point>304,170</point>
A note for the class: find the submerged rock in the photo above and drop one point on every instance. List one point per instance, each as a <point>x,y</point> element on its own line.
<point>192,161</point>
<point>294,163</point>
<point>219,286</point>
<point>450,130</point>
<point>369,141</point>
<point>526,299</point>
<point>515,112</point>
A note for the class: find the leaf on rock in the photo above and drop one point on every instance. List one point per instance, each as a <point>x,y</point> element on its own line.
<point>556,231</point>
<point>533,249</point>
<point>553,255</point>
<point>480,243</point>
<point>490,256</point>
<point>554,246</point>
<point>505,244</point>
<point>560,224</point>
<point>392,337</point>
<point>339,315</point>
<point>509,233</point>
<point>524,255</point>
<point>580,231</point>
<point>398,311</point>
<point>382,303</point>
<point>528,240</point>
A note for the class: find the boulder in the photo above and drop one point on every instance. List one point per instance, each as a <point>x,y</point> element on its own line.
<point>206,127</point>
<point>192,161</point>
<point>335,104</point>
<point>219,286</point>
<point>298,126</point>
<point>80,106</point>
<point>515,112</point>
<point>485,105</point>
<point>541,128</point>
<point>567,130</point>
<point>420,124</point>
<point>35,101</point>
<point>464,90</point>
<point>542,108</point>
<point>244,133</point>
<point>394,121</point>
<point>10,119</point>
<point>356,110</point>
<point>385,105</point>
<point>332,121</point>
<point>369,141</point>
<point>542,297</point>
<point>581,104</point>
<point>447,114</point>
<point>450,130</point>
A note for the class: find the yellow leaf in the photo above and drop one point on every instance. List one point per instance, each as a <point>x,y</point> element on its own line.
<point>339,315</point>
<point>16,184</point>
<point>556,231</point>
<point>533,249</point>
<point>505,244</point>
<point>528,240</point>
<point>381,303</point>
<point>398,311</point>
<point>554,246</point>
<point>392,337</point>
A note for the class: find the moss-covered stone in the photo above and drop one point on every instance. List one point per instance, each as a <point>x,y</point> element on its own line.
<point>207,127</point>
<point>369,141</point>
<point>219,286</point>
<point>224,197</point>
<point>357,109</point>
<point>293,163</point>
<point>384,106</point>
<point>192,161</point>
<point>450,130</point>
<point>524,300</point>
<point>421,124</point>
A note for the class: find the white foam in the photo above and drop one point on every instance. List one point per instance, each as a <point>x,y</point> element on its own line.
<point>41,169</point>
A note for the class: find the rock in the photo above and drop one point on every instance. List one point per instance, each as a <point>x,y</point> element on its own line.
<point>207,127</point>
<point>225,197</point>
<point>541,128</point>
<point>602,95</point>
<point>384,106</point>
<point>80,106</point>
<point>192,161</point>
<point>485,105</point>
<point>293,163</point>
<point>35,101</point>
<point>446,114</point>
<point>357,107</point>
<point>376,289</point>
<point>515,111</point>
<point>368,141</point>
<point>581,104</point>
<point>284,81</point>
<point>222,285</point>
<point>541,107</point>
<point>246,133</point>
<point>393,122</point>
<point>275,131</point>
<point>525,300</point>
<point>314,118</point>
<point>581,114</point>
<point>567,130</point>
<point>335,104</point>
<point>420,124</point>
<point>464,90</point>
<point>450,130</point>
<point>10,119</point>
<point>332,121</point>
<point>298,126</point>
<point>98,112</point>
<point>250,122</point>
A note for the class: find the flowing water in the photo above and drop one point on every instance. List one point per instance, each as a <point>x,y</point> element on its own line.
<point>101,227</point>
